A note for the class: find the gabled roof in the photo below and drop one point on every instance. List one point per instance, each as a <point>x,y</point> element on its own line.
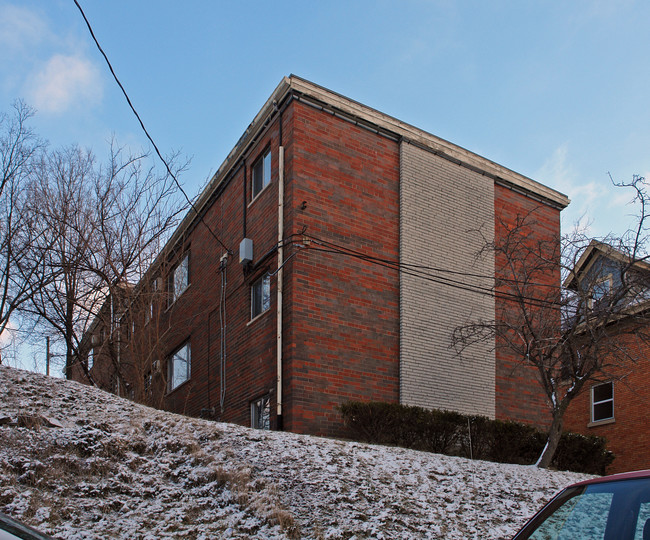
<point>595,250</point>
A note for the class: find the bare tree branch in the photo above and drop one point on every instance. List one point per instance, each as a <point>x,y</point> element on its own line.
<point>564,324</point>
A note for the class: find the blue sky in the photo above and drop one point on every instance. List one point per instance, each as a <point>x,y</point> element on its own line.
<point>557,91</point>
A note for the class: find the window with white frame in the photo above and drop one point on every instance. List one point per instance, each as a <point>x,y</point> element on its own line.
<point>149,313</point>
<point>602,402</point>
<point>261,173</point>
<point>261,413</point>
<point>127,328</point>
<point>148,382</point>
<point>260,295</point>
<point>178,367</point>
<point>600,289</point>
<point>179,279</point>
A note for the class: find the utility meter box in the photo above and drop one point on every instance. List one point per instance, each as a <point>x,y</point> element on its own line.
<point>246,251</point>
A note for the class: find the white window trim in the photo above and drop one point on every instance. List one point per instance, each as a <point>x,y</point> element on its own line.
<point>148,383</point>
<point>255,406</point>
<point>261,158</point>
<point>170,367</point>
<point>604,279</point>
<point>174,294</point>
<point>261,279</point>
<point>609,419</point>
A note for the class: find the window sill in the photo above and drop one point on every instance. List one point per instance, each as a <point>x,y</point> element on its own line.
<point>170,392</point>
<point>177,298</point>
<point>602,422</point>
<point>257,317</point>
<point>260,193</point>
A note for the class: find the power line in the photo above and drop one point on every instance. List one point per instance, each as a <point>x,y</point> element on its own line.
<point>405,268</point>
<point>424,267</point>
<point>419,272</point>
<point>128,100</point>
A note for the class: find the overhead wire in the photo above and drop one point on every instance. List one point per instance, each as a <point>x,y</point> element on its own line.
<point>424,267</point>
<point>414,270</point>
<point>158,153</point>
<point>420,271</point>
<point>406,268</point>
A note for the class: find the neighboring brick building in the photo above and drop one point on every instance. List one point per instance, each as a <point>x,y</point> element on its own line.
<point>616,404</point>
<point>379,225</point>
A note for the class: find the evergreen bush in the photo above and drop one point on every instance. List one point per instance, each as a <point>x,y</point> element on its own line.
<point>478,437</point>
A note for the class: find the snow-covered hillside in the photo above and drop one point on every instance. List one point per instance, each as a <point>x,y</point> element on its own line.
<point>77,462</point>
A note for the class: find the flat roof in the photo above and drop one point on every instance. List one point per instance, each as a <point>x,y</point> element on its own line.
<point>298,88</point>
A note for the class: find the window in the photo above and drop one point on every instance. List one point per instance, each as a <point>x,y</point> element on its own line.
<point>583,516</point>
<point>149,312</point>
<point>261,173</point>
<point>179,279</point>
<point>602,402</point>
<point>611,509</point>
<point>601,289</point>
<point>261,413</point>
<point>179,367</point>
<point>128,328</point>
<point>260,295</point>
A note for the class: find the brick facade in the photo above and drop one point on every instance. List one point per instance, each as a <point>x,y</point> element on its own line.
<point>519,396</point>
<point>363,193</point>
<point>625,434</point>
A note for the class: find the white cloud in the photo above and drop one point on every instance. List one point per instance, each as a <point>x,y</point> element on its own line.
<point>65,81</point>
<point>20,28</point>
<point>558,173</point>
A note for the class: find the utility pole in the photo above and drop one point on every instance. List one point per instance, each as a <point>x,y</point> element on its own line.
<point>47,356</point>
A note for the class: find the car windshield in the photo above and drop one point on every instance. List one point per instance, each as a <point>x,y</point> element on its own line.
<point>617,510</point>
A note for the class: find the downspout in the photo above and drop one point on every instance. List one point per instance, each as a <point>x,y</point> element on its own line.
<point>245,206</point>
<point>280,285</point>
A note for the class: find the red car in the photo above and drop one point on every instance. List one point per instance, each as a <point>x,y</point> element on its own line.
<point>613,507</point>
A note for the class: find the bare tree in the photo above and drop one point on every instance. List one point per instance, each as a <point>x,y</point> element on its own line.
<point>143,330</point>
<point>19,148</point>
<point>566,326</point>
<point>100,229</point>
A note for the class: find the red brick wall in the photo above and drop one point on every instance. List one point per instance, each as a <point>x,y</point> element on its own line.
<point>627,436</point>
<point>518,394</point>
<point>344,312</point>
<point>341,313</point>
<point>250,350</point>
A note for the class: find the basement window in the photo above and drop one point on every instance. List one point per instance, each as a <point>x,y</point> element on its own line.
<point>178,367</point>
<point>602,402</point>
<point>261,173</point>
<point>261,413</point>
<point>148,382</point>
<point>260,296</point>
